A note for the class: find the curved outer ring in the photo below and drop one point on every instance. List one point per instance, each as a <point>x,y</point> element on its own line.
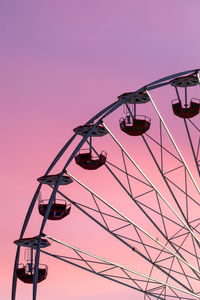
<point>101,115</point>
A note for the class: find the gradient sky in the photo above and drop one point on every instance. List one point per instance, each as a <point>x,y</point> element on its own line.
<point>61,62</point>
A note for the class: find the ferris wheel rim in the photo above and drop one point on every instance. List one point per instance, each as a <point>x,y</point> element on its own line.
<point>99,117</point>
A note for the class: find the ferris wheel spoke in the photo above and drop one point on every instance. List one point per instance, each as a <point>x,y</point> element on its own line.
<point>161,172</point>
<point>175,294</point>
<point>182,191</point>
<point>111,207</point>
<point>173,141</point>
<point>195,155</point>
<point>156,212</point>
<point>153,186</point>
<point>137,242</point>
<point>188,204</point>
<point>135,283</point>
<point>123,274</point>
<point>165,233</point>
<point>140,204</point>
<point>172,182</point>
<point>166,179</point>
<point>162,216</point>
<point>102,215</point>
<point>171,270</point>
<point>185,276</point>
<point>186,251</point>
<point>129,193</point>
<point>183,214</point>
<point>124,238</point>
<point>195,126</point>
<point>163,148</point>
<point>125,222</point>
<point>178,273</point>
<point>128,174</point>
<point>188,277</point>
<point>186,236</point>
<point>147,287</point>
<point>162,293</point>
<point>131,278</point>
<point>196,255</point>
<point>125,167</point>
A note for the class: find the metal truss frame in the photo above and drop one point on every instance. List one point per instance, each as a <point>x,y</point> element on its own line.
<point>170,249</point>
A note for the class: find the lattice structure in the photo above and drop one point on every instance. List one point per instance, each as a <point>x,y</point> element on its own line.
<point>164,230</point>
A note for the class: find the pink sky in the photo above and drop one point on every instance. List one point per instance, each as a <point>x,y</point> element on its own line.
<point>62,62</point>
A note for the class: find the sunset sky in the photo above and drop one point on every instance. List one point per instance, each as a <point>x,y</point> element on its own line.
<point>61,63</point>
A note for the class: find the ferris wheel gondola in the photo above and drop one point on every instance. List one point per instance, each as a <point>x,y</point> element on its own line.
<point>169,238</point>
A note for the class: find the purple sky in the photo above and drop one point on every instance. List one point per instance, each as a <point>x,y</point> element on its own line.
<point>61,62</point>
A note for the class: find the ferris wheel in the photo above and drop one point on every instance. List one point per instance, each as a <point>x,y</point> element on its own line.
<point>144,149</point>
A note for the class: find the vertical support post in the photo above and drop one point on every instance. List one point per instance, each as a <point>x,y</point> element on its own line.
<point>134,110</point>
<point>32,260</point>
<point>186,102</point>
<point>130,112</point>
<point>90,145</point>
<point>177,93</point>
